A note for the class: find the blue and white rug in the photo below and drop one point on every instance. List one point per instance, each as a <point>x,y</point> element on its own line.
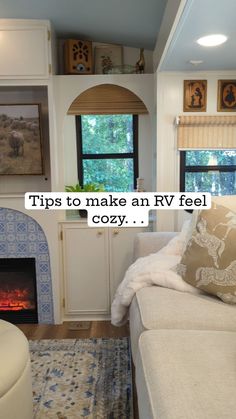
<point>81,378</point>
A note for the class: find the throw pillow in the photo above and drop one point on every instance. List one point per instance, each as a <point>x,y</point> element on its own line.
<point>228,201</point>
<point>209,260</point>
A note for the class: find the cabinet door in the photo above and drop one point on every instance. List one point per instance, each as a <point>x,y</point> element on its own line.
<point>24,51</point>
<point>86,270</point>
<point>121,253</point>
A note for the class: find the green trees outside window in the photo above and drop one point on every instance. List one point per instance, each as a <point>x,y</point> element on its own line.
<point>107,149</point>
<point>211,171</point>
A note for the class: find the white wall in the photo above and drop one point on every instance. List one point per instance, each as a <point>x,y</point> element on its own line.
<point>67,88</point>
<point>170,105</point>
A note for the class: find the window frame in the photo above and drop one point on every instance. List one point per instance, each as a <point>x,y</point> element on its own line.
<point>194,169</point>
<point>82,156</point>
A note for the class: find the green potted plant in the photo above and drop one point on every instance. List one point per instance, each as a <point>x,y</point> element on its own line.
<point>88,187</point>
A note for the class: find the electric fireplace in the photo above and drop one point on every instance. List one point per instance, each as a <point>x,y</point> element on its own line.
<point>18,295</point>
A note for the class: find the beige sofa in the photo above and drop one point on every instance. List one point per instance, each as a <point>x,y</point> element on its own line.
<point>15,374</point>
<point>184,349</point>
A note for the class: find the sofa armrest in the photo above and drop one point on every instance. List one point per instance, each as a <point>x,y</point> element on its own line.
<point>147,243</point>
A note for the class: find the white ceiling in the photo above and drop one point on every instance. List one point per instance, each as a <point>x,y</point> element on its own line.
<point>203,17</point>
<point>132,23</point>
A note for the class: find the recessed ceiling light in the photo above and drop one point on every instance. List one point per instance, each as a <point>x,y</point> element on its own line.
<point>212,40</point>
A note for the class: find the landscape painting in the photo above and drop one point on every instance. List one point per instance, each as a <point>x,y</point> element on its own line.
<point>20,140</point>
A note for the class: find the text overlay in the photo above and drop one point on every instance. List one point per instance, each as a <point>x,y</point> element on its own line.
<point>129,209</point>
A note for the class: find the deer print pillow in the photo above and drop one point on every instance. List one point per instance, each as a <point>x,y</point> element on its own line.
<point>209,260</point>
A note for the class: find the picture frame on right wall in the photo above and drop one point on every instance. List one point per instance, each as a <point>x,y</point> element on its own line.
<point>195,96</point>
<point>226,96</point>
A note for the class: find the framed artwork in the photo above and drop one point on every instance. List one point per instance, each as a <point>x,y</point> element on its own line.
<point>195,95</point>
<point>20,140</point>
<point>226,96</point>
<point>107,56</point>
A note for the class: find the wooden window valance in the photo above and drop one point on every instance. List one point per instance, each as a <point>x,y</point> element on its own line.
<point>206,132</point>
<point>107,99</point>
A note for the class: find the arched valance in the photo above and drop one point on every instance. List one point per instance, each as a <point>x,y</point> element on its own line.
<point>107,99</point>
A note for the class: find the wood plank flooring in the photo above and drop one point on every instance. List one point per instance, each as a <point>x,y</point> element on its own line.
<point>61,331</point>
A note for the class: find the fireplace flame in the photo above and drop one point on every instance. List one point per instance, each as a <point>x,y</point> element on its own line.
<point>15,300</point>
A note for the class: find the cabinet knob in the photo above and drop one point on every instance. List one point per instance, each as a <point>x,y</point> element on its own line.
<point>115,232</point>
<point>99,233</point>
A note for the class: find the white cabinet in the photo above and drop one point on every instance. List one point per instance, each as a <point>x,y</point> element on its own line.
<point>86,269</point>
<point>25,49</point>
<point>94,263</point>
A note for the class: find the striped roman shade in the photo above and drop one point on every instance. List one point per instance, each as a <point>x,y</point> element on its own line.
<point>206,132</point>
<point>107,99</point>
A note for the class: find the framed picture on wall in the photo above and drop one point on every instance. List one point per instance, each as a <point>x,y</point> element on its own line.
<point>195,95</point>
<point>226,96</point>
<point>107,57</point>
<point>20,140</point>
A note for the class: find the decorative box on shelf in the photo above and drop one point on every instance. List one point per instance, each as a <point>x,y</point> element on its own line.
<point>78,57</point>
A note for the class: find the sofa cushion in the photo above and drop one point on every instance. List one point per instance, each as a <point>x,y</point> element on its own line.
<point>164,308</point>
<point>209,260</point>
<point>186,374</point>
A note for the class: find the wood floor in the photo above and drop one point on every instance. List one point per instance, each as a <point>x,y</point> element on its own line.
<point>62,331</point>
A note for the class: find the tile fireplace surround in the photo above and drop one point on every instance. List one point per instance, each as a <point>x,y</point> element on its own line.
<point>22,237</point>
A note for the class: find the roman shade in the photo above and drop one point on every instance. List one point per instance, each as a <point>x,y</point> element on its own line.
<point>206,132</point>
<point>107,99</point>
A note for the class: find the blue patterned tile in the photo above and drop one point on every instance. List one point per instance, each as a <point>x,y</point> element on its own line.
<point>45,299</point>
<point>21,227</point>
<point>22,236</point>
<point>31,227</point>
<point>32,237</point>
<point>33,247</point>
<point>45,308</point>
<point>20,216</point>
<point>44,288</point>
<point>40,236</point>
<point>43,267</point>
<point>11,237</point>
<point>43,247</point>
<point>9,215</point>
<point>3,248</point>
<point>10,228</point>
<point>11,248</point>
<point>22,248</point>
<point>43,258</point>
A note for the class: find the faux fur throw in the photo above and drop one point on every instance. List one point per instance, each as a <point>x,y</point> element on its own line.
<point>155,269</point>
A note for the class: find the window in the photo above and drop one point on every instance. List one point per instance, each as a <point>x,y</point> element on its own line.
<point>107,149</point>
<point>211,171</point>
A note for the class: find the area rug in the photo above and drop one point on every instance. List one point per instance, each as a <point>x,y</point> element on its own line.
<point>81,378</point>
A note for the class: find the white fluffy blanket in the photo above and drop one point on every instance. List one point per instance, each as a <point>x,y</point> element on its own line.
<point>154,269</point>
